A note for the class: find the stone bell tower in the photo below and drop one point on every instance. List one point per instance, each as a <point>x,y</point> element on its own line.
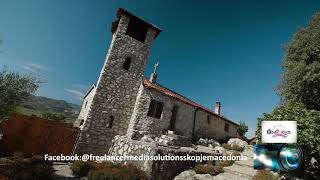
<point>117,87</point>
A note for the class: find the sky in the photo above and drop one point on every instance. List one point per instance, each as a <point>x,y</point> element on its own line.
<point>227,51</point>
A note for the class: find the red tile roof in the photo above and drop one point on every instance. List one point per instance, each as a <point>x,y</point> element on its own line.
<point>173,94</point>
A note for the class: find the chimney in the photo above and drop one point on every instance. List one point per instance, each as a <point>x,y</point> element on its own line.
<point>153,77</point>
<point>217,108</point>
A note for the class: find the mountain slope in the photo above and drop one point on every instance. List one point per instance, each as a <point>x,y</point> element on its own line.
<point>39,105</point>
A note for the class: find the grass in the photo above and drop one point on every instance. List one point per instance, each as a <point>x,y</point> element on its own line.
<point>29,112</point>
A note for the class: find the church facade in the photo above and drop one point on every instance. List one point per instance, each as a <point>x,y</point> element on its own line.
<point>124,102</point>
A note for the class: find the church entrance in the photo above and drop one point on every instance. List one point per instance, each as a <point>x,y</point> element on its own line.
<point>173,118</point>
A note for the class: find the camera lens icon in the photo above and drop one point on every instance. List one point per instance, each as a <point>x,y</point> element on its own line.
<point>290,157</point>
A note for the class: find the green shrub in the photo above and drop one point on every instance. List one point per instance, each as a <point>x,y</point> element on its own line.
<point>237,148</point>
<point>236,154</point>
<point>211,162</point>
<point>224,163</point>
<point>101,174</point>
<point>129,172</point>
<point>264,175</point>
<point>308,125</point>
<point>226,146</point>
<point>35,168</point>
<point>81,168</point>
<point>107,171</point>
<point>208,169</point>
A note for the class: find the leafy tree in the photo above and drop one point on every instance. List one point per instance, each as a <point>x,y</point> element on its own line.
<point>301,67</point>
<point>14,89</point>
<point>308,122</point>
<point>299,90</point>
<point>242,129</point>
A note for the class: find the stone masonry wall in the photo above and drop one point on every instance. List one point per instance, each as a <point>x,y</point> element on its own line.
<point>85,108</point>
<point>123,146</point>
<point>159,169</point>
<point>214,128</point>
<point>141,124</point>
<point>116,91</point>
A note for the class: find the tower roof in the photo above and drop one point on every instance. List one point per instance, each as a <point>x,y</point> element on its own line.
<point>122,11</point>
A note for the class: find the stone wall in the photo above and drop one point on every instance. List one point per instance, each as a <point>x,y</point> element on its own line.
<point>116,91</point>
<point>214,127</point>
<point>157,170</point>
<point>141,124</point>
<point>85,108</point>
<point>123,146</point>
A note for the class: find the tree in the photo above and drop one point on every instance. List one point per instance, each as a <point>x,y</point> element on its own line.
<point>14,89</point>
<point>308,122</point>
<point>299,90</point>
<point>242,129</point>
<point>301,67</point>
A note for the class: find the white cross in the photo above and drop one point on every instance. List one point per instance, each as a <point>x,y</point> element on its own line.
<point>155,67</point>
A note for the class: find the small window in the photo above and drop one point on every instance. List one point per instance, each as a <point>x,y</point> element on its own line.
<point>81,122</point>
<point>155,109</point>
<point>85,105</point>
<point>208,119</point>
<point>127,63</point>
<point>110,124</point>
<point>226,127</point>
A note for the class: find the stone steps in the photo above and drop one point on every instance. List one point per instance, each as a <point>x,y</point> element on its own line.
<point>241,171</point>
<point>248,163</point>
<point>228,176</point>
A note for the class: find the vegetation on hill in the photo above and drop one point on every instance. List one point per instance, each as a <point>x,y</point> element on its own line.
<point>51,109</point>
<point>17,95</point>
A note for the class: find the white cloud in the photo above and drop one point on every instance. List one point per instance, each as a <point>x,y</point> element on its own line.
<point>35,67</point>
<point>76,93</point>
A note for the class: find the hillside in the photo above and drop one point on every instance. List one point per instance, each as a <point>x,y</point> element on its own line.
<point>39,105</point>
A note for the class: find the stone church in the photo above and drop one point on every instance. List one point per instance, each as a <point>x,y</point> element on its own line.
<point>124,102</point>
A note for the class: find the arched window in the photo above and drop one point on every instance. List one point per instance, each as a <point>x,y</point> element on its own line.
<point>127,63</point>
<point>110,124</point>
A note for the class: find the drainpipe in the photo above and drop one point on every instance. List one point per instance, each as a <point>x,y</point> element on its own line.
<point>194,124</point>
